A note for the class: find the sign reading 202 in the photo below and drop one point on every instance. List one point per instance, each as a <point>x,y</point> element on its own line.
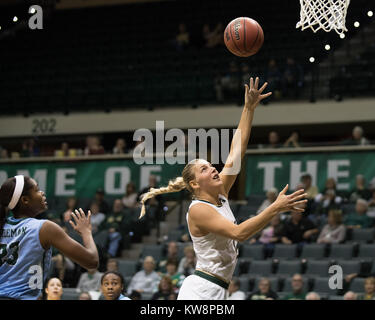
<point>43,126</point>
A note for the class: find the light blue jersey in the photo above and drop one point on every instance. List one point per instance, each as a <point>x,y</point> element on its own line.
<point>24,264</point>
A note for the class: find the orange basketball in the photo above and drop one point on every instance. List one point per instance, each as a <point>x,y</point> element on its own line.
<point>243,37</point>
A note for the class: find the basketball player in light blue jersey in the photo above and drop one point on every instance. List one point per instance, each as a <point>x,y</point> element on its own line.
<point>25,242</point>
<point>212,225</point>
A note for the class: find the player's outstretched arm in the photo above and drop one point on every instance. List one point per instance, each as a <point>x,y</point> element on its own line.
<point>52,234</point>
<point>205,219</point>
<point>232,167</point>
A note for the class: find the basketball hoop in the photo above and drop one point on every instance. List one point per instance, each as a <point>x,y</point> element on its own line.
<point>323,14</point>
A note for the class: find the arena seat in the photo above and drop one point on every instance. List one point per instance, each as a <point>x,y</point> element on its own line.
<point>317,268</point>
<point>285,251</point>
<point>127,267</point>
<point>260,268</point>
<point>341,251</point>
<point>313,251</point>
<point>288,267</point>
<point>255,252</point>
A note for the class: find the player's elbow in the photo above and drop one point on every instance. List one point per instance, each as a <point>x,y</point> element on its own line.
<point>239,236</point>
<point>92,262</point>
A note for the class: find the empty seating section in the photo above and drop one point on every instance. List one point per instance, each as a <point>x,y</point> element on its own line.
<point>85,64</point>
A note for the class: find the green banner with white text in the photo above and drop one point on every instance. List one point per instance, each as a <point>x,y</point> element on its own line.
<point>264,171</point>
<point>83,178</point>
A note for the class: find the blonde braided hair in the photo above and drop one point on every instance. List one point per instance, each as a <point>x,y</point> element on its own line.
<point>175,185</point>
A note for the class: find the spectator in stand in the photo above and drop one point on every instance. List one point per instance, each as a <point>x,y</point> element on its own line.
<point>311,190</point>
<point>292,141</point>
<point>324,203</point>
<point>84,296</point>
<point>264,291</point>
<point>350,295</point>
<point>172,253</point>
<point>65,149</point>
<point>334,231</point>
<point>270,235</point>
<point>157,202</point>
<point>273,140</point>
<point>54,289</point>
<point>120,147</point>
<point>165,289</point>
<point>228,86</point>
<point>297,286</point>
<point>29,149</point>
<point>359,191</point>
<point>99,199</point>
<point>298,229</point>
<point>213,38</point>
<point>359,218</point>
<point>312,296</point>
<point>271,195</point>
<point>112,265</point>
<point>112,286</point>
<point>292,79</point>
<point>182,40</point>
<point>234,292</point>
<point>63,268</point>
<point>146,280</point>
<point>176,277</point>
<point>272,75</point>
<point>89,281</point>
<point>4,154</point>
<point>129,200</point>
<point>112,223</point>
<point>97,217</point>
<point>371,206</point>
<point>369,293</point>
<point>93,146</point>
<point>71,205</point>
<point>357,138</point>
<point>188,262</point>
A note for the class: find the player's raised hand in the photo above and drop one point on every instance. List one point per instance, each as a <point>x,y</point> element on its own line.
<point>253,95</point>
<point>290,202</point>
<point>82,222</point>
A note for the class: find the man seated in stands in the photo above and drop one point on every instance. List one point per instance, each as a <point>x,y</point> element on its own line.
<point>298,229</point>
<point>359,218</point>
<point>146,280</point>
<point>264,291</point>
<point>297,287</point>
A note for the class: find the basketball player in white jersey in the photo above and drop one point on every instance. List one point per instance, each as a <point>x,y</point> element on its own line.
<point>211,223</point>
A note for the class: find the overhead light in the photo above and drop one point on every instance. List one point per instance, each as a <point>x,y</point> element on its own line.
<point>312,59</point>
<point>370,13</point>
<point>327,47</point>
<point>15,19</point>
<point>356,24</point>
<point>342,36</point>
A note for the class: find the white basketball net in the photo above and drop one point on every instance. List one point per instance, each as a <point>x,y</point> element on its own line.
<point>323,14</point>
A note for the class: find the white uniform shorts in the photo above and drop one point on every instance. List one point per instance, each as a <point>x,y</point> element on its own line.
<point>197,288</point>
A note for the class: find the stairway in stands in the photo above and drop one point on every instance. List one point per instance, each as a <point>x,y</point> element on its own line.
<point>171,222</point>
<point>343,56</point>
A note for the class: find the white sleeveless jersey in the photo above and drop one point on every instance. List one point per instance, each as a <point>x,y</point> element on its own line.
<point>216,254</point>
